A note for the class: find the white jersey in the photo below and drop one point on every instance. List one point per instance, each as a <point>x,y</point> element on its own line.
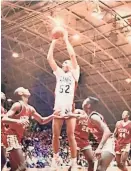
<point>65,88</point>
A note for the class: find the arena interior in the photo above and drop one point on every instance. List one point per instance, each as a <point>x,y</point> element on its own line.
<point>100,32</point>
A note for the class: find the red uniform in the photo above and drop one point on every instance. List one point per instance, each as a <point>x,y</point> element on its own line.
<point>95,130</point>
<point>16,131</point>
<point>98,134</point>
<point>124,136</point>
<point>82,133</point>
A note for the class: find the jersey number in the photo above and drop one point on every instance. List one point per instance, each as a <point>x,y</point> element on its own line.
<point>122,135</point>
<point>85,129</point>
<point>64,88</point>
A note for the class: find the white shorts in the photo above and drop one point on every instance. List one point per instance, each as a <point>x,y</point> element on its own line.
<point>12,143</point>
<point>126,148</point>
<point>109,146</point>
<point>64,109</point>
<point>86,148</point>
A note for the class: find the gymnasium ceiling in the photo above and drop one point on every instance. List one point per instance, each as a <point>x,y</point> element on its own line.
<point>100,32</point>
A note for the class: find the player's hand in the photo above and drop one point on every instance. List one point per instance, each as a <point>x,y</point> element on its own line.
<point>59,117</point>
<point>23,122</point>
<point>66,116</point>
<point>57,114</point>
<point>69,115</point>
<point>98,153</point>
<point>82,116</point>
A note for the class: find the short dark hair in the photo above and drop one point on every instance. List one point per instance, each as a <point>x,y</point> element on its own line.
<point>90,100</point>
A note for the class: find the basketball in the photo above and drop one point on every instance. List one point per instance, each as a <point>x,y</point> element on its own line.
<point>58,32</point>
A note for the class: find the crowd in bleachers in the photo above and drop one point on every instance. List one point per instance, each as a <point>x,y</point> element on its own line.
<point>38,149</point>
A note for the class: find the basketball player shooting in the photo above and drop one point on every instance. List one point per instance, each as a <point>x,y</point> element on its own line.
<point>66,80</point>
<point>123,139</point>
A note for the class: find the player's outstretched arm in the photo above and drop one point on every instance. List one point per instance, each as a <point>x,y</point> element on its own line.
<point>40,119</point>
<point>50,56</point>
<point>70,51</point>
<point>106,132</point>
<point>78,113</point>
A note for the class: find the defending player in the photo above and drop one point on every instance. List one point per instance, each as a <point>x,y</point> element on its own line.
<point>81,135</point>
<point>123,140</point>
<point>18,119</point>
<point>66,80</point>
<point>98,127</point>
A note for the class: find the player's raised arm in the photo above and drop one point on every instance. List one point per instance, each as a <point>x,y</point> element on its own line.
<point>40,119</point>
<point>50,56</point>
<point>71,51</point>
<point>104,128</point>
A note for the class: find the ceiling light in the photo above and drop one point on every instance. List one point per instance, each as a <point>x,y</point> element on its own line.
<point>76,36</point>
<point>15,55</point>
<point>96,10</point>
<point>128,80</point>
<point>97,15</point>
<point>59,21</point>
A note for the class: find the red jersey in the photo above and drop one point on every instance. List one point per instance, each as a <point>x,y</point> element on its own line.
<point>82,133</point>
<point>123,133</point>
<point>95,130</point>
<point>17,129</point>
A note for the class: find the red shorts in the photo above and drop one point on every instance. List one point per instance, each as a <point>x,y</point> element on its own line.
<point>82,144</point>
<point>122,148</point>
<point>11,142</point>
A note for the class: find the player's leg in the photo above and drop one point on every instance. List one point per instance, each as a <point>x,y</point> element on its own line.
<point>70,128</point>
<point>118,160</point>
<point>17,160</point>
<point>88,153</point>
<point>124,157</point>
<point>105,160</point>
<point>3,158</point>
<point>56,129</point>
